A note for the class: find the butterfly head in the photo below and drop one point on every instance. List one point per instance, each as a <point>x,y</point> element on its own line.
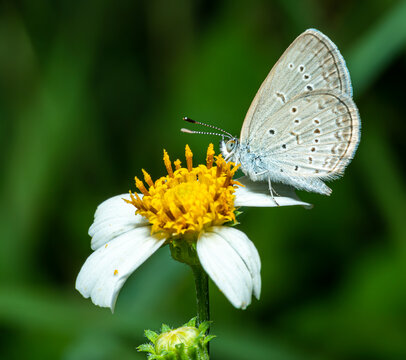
<point>229,148</point>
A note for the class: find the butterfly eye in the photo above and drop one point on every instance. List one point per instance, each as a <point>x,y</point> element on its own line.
<point>230,145</point>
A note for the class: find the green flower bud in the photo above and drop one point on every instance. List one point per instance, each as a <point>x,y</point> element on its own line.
<point>167,341</point>
<point>185,343</point>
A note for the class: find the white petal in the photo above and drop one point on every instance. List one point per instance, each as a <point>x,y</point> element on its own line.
<point>105,271</point>
<point>246,249</point>
<point>114,217</point>
<point>256,193</point>
<point>109,206</point>
<point>226,268</point>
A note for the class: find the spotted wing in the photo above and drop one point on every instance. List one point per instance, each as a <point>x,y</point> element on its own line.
<point>312,62</point>
<point>314,135</point>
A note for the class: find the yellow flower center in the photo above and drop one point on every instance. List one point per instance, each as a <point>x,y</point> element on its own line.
<point>190,199</point>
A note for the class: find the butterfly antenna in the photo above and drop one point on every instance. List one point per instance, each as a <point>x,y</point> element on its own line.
<point>187,131</point>
<point>210,126</point>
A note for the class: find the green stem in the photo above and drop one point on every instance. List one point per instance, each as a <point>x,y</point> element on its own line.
<point>202,294</point>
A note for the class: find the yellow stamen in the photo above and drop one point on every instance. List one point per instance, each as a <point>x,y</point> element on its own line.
<point>141,187</point>
<point>189,199</point>
<point>168,164</point>
<point>147,178</point>
<point>219,167</point>
<point>135,200</point>
<point>189,158</point>
<point>210,156</point>
<point>169,214</point>
<point>152,209</point>
<point>177,164</point>
<point>227,181</point>
<point>136,196</point>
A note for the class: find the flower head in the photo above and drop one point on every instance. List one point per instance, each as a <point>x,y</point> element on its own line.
<point>190,205</point>
<point>188,200</point>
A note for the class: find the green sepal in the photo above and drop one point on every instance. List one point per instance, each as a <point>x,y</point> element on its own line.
<point>204,326</point>
<point>151,335</point>
<point>155,357</point>
<point>169,356</point>
<point>208,338</point>
<point>181,352</point>
<point>192,353</point>
<point>238,213</point>
<point>165,328</point>
<point>191,322</point>
<point>184,250</point>
<point>146,348</point>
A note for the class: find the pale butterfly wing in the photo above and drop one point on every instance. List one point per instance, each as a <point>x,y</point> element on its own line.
<point>313,136</point>
<point>311,62</point>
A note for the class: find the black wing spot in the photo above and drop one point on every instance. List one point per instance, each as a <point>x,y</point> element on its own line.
<point>296,135</point>
<point>281,97</point>
<point>272,131</point>
<point>284,146</point>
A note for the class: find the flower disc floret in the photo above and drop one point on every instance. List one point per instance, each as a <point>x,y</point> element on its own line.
<point>188,200</point>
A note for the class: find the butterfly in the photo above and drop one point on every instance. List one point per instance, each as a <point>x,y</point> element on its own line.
<point>302,127</point>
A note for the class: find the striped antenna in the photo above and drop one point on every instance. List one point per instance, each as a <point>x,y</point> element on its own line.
<point>201,132</point>
<point>187,131</point>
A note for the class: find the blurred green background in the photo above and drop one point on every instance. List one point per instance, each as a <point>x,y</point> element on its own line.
<point>92,91</point>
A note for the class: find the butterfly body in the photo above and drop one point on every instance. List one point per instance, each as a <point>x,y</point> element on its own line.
<point>259,166</point>
<point>302,127</point>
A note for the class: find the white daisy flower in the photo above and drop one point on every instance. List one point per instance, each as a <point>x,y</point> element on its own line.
<point>191,204</point>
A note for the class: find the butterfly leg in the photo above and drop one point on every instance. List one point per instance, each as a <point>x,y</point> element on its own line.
<point>272,191</point>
